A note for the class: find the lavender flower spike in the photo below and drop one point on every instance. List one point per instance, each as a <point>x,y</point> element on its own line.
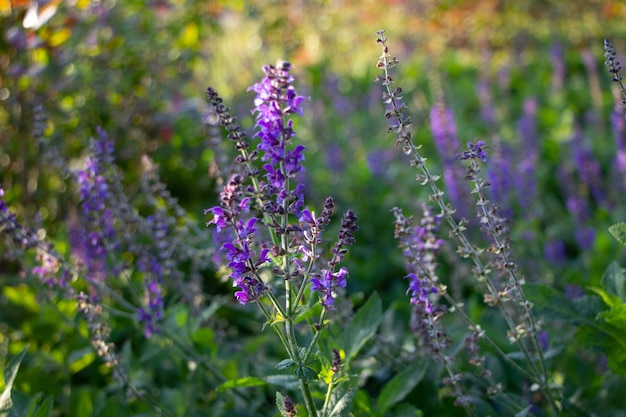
<point>275,99</point>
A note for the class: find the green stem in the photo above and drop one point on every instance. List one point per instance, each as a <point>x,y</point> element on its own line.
<point>327,399</point>
<point>308,398</point>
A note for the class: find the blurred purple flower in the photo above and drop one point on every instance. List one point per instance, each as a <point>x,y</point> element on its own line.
<point>573,291</point>
<point>94,243</point>
<point>528,156</point>
<point>585,237</point>
<point>559,68</point>
<point>487,110</point>
<point>543,338</point>
<point>618,123</point>
<point>588,167</point>
<point>447,143</point>
<point>554,252</point>
<point>379,160</point>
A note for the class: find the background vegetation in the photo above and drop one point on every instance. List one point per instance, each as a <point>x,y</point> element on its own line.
<point>139,70</point>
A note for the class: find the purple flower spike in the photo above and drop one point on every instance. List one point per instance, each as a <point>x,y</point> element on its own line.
<point>276,99</point>
<point>475,151</point>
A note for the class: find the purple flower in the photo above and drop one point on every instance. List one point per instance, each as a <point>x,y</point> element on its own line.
<point>420,246</point>
<point>326,282</point>
<point>151,314</point>
<point>554,251</point>
<point>275,99</point>
<point>447,142</point>
<point>573,291</point>
<point>527,163</point>
<point>588,167</point>
<point>618,123</point>
<point>487,109</point>
<point>543,337</point>
<point>475,151</point>
<point>420,290</point>
<point>251,288</point>
<point>220,219</point>
<point>95,245</point>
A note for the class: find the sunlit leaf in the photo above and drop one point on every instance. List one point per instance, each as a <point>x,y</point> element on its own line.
<point>618,231</point>
<point>9,377</point>
<point>400,385</point>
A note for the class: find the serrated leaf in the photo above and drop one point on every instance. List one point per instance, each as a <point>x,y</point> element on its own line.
<point>340,401</point>
<point>551,302</point>
<point>363,327</point>
<point>613,281</point>
<point>616,316</point>
<point>280,404</point>
<point>400,385</point>
<point>306,373</point>
<point>9,377</point>
<point>618,231</point>
<point>285,364</point>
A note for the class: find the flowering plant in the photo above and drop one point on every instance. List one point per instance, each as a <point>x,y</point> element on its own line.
<point>475,321</point>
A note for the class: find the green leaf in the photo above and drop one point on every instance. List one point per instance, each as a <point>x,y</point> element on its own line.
<point>9,377</point>
<point>280,404</point>
<point>42,408</point>
<point>361,404</point>
<point>80,359</point>
<point>524,412</point>
<point>285,364</point>
<point>306,373</point>
<point>248,381</point>
<point>407,410</point>
<point>363,327</point>
<point>599,328</point>
<point>555,305</point>
<point>618,231</point>
<point>613,281</point>
<point>400,385</point>
<point>340,400</point>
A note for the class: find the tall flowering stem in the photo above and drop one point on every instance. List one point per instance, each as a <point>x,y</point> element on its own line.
<point>526,333</point>
<point>400,126</point>
<point>266,227</point>
<point>420,246</point>
<point>614,67</point>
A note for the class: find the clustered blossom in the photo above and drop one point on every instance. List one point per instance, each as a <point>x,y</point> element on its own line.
<point>275,99</point>
<point>110,225</point>
<point>326,282</point>
<point>238,250</point>
<point>475,151</point>
<point>94,189</point>
<point>420,245</point>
